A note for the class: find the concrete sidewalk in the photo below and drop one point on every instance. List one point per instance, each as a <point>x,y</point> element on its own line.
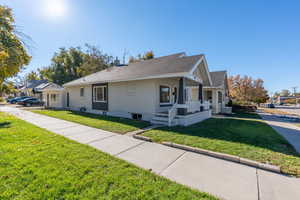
<point>221,178</point>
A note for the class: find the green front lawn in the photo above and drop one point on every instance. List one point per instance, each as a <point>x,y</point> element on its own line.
<point>113,124</point>
<point>37,164</point>
<point>243,135</point>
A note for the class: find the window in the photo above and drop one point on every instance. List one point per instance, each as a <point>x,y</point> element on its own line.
<point>81,92</point>
<point>131,89</point>
<point>164,93</point>
<point>220,98</point>
<point>100,94</point>
<point>53,97</point>
<point>136,116</point>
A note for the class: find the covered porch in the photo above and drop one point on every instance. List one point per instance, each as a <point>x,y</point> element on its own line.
<point>188,105</point>
<point>218,99</point>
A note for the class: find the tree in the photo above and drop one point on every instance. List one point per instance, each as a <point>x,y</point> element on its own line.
<point>95,60</point>
<point>245,90</point>
<point>73,63</point>
<point>285,93</point>
<point>146,56</point>
<point>32,76</point>
<point>7,87</point>
<point>13,54</point>
<point>276,94</point>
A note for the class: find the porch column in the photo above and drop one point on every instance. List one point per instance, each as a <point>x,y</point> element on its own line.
<point>200,93</point>
<point>181,96</point>
<point>200,96</point>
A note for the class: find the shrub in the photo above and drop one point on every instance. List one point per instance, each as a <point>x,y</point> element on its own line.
<point>243,108</point>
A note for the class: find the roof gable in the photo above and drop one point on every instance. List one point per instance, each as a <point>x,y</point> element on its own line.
<point>201,70</point>
<point>218,78</point>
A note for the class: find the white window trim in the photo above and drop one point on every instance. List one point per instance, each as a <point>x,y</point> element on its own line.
<point>94,93</point>
<point>170,95</point>
<point>80,92</point>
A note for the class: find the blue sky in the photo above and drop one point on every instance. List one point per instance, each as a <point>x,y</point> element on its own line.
<point>256,38</point>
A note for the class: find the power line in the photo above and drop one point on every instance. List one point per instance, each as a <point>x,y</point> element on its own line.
<point>294,90</point>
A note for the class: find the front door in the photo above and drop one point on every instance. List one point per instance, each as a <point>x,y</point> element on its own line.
<point>68,99</point>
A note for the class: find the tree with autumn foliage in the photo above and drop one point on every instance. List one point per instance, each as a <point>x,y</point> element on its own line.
<point>246,90</point>
<point>146,56</point>
<point>13,54</point>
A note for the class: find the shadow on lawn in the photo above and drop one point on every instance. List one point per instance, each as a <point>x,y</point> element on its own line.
<point>5,124</point>
<point>125,121</point>
<point>251,132</point>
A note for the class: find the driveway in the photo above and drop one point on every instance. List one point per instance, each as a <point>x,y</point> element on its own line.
<point>224,179</point>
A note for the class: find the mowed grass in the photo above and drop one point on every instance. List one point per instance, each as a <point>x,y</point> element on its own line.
<point>243,135</point>
<point>37,164</point>
<point>108,123</point>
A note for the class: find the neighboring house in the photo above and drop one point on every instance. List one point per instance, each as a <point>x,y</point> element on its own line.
<point>54,96</point>
<point>284,99</point>
<point>33,88</point>
<point>156,90</point>
<point>218,94</point>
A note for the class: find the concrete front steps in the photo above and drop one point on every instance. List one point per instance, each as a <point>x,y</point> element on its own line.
<point>163,119</point>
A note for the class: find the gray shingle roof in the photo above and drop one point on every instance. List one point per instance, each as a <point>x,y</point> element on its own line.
<point>53,86</point>
<point>161,66</point>
<point>218,78</point>
<point>34,83</point>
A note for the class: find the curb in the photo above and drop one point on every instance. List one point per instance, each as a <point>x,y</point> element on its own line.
<point>140,137</point>
<point>224,156</point>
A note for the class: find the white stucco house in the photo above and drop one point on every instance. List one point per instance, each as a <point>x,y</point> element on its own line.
<point>165,90</point>
<point>54,96</point>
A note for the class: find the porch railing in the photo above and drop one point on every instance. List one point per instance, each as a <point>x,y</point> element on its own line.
<point>206,105</point>
<point>172,112</point>
<point>194,106</point>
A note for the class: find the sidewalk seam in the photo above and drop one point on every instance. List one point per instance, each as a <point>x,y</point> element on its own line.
<point>129,148</point>
<point>257,182</point>
<point>100,139</point>
<point>172,163</point>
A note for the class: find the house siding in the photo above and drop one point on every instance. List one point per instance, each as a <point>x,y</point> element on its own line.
<point>76,101</point>
<point>132,97</point>
<point>124,98</point>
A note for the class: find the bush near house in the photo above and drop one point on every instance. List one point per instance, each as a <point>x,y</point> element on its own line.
<point>243,108</point>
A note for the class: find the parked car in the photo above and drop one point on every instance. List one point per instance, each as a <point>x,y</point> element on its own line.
<point>16,99</point>
<point>271,105</point>
<point>30,102</point>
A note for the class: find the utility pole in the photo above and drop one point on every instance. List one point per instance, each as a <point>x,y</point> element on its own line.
<point>295,91</point>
